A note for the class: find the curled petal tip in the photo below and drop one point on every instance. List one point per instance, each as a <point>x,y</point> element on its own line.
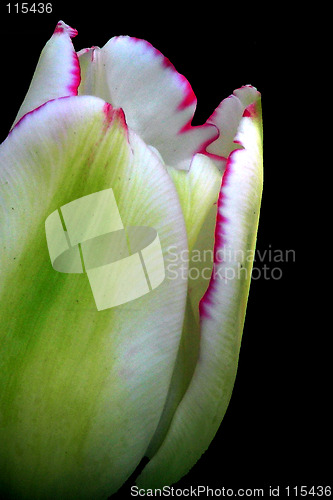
<point>252,111</point>
<point>64,28</point>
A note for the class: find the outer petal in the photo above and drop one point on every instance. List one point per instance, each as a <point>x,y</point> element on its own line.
<point>222,312</point>
<point>57,73</point>
<point>81,390</point>
<point>158,102</point>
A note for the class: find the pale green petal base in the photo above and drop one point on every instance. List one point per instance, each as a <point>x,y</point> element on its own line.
<point>198,192</point>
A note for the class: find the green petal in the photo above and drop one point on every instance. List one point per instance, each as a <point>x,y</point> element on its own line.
<point>198,190</point>
<point>222,312</point>
<point>81,389</point>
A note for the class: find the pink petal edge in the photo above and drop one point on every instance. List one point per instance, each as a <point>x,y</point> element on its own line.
<point>219,241</point>
<point>63,29</point>
<point>219,234</point>
<point>249,111</point>
<point>110,114</point>
<point>189,98</point>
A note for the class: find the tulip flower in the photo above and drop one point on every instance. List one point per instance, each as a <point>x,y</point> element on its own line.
<point>103,148</point>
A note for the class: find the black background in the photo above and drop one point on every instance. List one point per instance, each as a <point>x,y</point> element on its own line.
<point>277,430</point>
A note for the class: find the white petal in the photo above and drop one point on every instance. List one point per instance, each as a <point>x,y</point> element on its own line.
<point>158,102</point>
<point>57,73</point>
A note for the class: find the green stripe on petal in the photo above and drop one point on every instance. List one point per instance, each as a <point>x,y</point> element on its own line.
<point>82,390</point>
<point>222,309</point>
